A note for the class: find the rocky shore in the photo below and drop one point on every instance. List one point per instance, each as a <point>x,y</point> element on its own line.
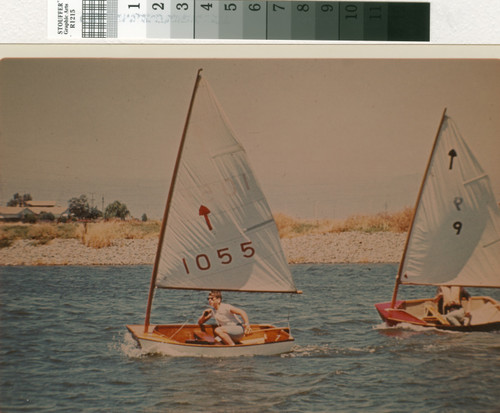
<point>345,247</point>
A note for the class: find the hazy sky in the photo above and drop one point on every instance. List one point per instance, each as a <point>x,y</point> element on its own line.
<point>326,138</point>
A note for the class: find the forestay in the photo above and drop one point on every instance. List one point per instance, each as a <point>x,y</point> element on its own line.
<point>220,233</point>
<point>455,238</point>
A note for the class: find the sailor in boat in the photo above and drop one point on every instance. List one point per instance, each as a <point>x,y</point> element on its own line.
<point>230,328</point>
<point>449,301</point>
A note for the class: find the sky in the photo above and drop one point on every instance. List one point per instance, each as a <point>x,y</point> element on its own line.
<point>327,138</point>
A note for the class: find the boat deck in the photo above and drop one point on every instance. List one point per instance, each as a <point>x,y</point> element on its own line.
<point>193,334</point>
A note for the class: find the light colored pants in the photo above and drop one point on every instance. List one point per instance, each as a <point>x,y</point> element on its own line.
<point>456,317</point>
<point>236,331</point>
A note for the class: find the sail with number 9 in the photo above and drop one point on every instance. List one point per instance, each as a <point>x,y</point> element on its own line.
<point>455,236</point>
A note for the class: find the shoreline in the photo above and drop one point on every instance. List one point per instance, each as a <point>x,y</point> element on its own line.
<point>331,248</point>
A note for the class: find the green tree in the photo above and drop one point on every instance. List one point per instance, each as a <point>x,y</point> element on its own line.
<point>19,200</point>
<point>94,213</point>
<point>79,207</point>
<point>144,218</point>
<point>116,210</point>
<point>46,216</point>
<point>29,218</point>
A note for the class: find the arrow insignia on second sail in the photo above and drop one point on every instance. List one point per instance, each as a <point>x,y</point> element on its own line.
<point>452,154</point>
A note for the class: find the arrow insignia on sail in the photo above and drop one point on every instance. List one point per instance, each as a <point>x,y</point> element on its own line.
<point>452,154</point>
<point>204,211</point>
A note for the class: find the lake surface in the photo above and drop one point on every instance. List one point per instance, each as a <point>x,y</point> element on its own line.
<point>64,348</point>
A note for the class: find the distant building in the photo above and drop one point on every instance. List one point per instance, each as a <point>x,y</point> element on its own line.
<point>13,213</point>
<point>49,204</point>
<point>33,207</point>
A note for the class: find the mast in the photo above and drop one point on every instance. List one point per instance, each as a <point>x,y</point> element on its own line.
<point>419,197</point>
<point>167,207</point>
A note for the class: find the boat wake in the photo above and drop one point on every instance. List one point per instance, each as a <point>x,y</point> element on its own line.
<point>129,347</point>
<point>308,351</point>
<point>326,351</point>
<point>406,329</point>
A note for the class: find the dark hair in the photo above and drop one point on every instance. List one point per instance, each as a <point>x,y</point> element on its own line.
<point>216,294</point>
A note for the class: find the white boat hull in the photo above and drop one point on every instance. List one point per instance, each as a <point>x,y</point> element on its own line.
<point>264,341</point>
<point>192,350</point>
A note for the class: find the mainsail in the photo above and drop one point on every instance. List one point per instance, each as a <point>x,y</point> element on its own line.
<point>455,236</point>
<point>220,233</point>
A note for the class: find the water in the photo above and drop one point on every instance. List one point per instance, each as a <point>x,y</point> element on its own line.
<point>64,348</point>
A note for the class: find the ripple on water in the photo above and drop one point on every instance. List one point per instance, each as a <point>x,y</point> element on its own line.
<point>64,347</point>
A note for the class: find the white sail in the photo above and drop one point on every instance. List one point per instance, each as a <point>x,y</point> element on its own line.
<point>455,238</point>
<point>220,233</point>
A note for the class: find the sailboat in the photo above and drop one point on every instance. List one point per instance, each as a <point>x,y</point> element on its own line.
<point>454,239</point>
<point>217,233</point>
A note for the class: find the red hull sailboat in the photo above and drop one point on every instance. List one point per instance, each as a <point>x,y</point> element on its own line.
<point>453,241</point>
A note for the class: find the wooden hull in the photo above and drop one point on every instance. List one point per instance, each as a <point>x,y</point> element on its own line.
<point>192,341</point>
<point>485,314</point>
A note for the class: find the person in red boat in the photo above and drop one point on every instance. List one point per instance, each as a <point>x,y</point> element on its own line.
<point>449,301</point>
<point>230,327</point>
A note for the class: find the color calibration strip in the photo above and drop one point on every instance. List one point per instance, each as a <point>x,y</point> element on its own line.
<point>240,20</point>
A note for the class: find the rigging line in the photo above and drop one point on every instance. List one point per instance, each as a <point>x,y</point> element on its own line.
<point>180,328</point>
<point>187,318</point>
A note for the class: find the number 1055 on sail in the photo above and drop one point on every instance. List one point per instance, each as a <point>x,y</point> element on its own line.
<point>203,262</point>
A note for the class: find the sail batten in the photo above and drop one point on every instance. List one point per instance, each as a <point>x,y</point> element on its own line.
<point>220,232</point>
<point>261,224</point>
<point>227,151</point>
<point>491,243</point>
<point>470,181</point>
<point>456,227</point>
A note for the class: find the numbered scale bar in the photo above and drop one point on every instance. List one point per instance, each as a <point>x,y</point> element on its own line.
<point>251,20</point>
